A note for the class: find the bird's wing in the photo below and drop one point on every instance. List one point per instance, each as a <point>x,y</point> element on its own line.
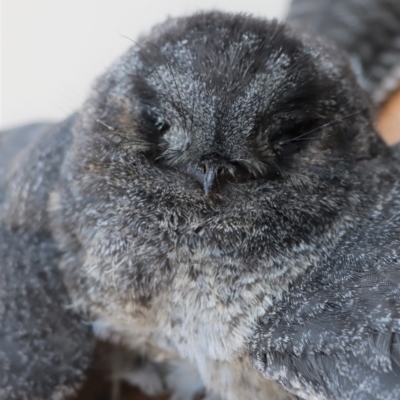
<point>336,335</point>
<point>369,30</point>
<point>44,347</point>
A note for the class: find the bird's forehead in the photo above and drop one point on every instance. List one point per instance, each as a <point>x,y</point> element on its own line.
<point>220,65</point>
<point>219,83</point>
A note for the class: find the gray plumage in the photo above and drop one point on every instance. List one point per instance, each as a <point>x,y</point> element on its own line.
<point>44,346</point>
<point>369,30</point>
<point>217,168</point>
<point>336,333</point>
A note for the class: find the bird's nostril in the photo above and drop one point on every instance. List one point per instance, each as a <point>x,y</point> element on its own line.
<point>202,168</point>
<point>220,170</point>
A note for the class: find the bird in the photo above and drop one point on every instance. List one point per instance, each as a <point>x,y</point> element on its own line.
<point>222,202</point>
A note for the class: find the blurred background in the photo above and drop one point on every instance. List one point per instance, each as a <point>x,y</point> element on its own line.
<point>52,50</point>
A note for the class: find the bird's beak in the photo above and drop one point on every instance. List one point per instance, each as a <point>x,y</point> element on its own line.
<point>210,178</point>
<point>211,173</point>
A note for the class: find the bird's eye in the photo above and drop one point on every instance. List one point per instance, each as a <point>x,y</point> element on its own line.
<point>154,123</point>
<point>161,125</point>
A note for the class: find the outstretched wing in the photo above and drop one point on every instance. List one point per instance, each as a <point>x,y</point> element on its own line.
<point>369,30</point>
<point>337,335</point>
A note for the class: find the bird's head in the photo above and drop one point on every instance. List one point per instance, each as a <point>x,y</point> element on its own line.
<point>228,99</point>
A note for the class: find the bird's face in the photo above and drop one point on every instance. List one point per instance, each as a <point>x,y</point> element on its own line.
<point>226,104</point>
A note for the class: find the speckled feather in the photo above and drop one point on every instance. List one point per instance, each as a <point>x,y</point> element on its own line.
<point>336,333</point>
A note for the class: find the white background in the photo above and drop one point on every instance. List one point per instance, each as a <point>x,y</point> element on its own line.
<point>51,50</point>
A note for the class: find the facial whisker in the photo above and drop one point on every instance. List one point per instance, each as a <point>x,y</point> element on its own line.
<point>304,138</point>
<point>323,126</point>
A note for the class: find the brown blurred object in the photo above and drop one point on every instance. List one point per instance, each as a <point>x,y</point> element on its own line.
<point>99,384</point>
<point>388,123</point>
